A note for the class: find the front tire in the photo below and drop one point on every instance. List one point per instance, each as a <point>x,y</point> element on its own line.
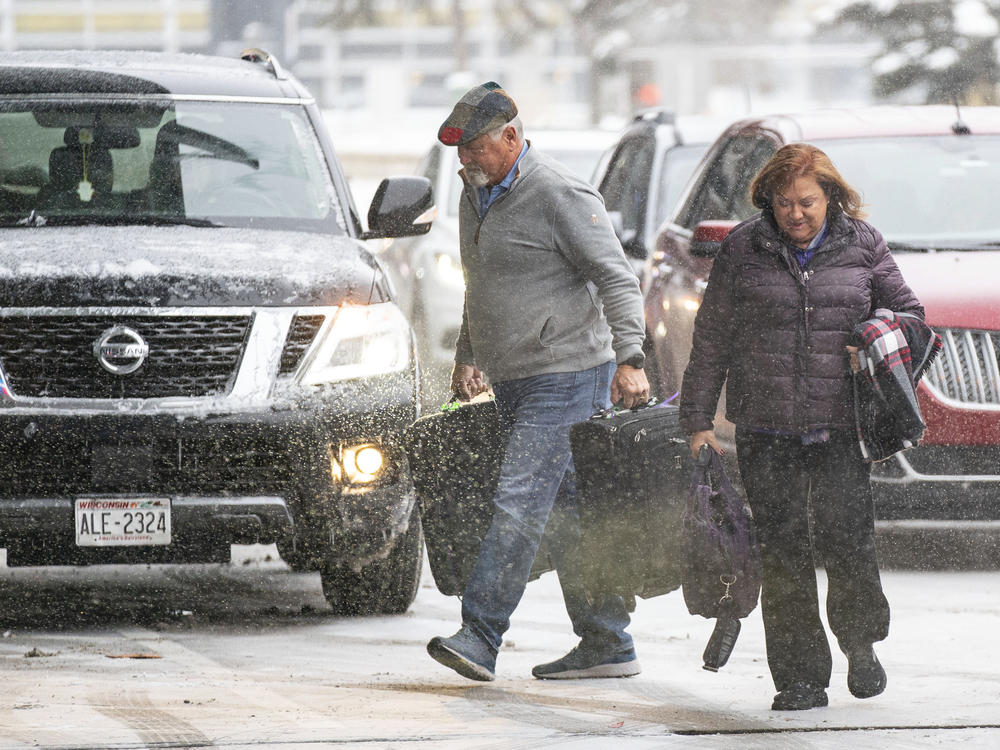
<point>383,587</point>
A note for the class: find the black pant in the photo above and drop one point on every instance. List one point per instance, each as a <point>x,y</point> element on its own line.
<point>788,483</point>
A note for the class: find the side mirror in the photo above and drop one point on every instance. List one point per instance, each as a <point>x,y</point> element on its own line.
<point>401,207</point>
<point>708,237</point>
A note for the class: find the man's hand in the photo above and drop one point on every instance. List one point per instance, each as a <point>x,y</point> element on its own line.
<point>467,381</point>
<point>629,387</point>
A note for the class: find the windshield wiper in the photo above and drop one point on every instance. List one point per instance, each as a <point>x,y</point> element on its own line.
<point>35,219</point>
<point>187,221</point>
<point>984,245</point>
<point>943,246</point>
<point>909,247</point>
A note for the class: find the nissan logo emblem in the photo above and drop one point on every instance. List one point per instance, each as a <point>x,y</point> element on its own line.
<point>120,350</point>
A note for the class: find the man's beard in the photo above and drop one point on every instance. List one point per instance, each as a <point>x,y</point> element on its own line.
<point>476,176</point>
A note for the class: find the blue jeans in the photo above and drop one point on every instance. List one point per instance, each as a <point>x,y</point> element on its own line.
<point>537,480</point>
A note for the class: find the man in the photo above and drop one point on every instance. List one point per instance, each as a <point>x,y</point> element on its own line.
<point>551,303</point>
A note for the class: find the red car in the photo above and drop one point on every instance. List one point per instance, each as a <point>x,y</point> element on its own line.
<point>927,175</point>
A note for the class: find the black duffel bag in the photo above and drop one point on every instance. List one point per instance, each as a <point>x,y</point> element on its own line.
<point>455,457</point>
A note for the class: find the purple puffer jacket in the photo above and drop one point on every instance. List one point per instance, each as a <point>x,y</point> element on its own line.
<point>775,334</point>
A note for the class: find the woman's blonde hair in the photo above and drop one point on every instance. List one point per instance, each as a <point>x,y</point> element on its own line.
<point>803,160</point>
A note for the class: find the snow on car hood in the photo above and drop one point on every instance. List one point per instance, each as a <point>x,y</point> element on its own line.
<point>957,289</point>
<point>181,266</point>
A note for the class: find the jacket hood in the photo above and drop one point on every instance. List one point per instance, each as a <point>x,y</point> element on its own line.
<point>183,266</point>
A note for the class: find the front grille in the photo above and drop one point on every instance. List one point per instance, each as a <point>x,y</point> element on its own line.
<point>53,356</point>
<point>231,462</point>
<point>967,370</point>
<point>300,335</point>
<point>75,463</point>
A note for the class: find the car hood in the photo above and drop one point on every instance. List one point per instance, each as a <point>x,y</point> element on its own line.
<point>182,266</point>
<point>957,289</point>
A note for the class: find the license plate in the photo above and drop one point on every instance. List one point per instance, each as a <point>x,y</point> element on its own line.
<point>119,522</point>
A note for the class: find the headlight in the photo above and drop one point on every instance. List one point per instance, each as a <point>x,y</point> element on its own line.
<point>364,340</point>
<point>448,268</point>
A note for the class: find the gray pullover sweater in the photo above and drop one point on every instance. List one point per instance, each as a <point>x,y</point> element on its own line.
<point>548,287</point>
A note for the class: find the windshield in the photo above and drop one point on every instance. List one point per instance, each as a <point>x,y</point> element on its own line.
<point>924,190</point>
<point>224,163</point>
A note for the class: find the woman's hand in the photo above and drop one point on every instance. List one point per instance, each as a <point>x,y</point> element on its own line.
<point>852,352</point>
<point>705,437</point>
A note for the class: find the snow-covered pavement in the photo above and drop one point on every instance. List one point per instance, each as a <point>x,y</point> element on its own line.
<point>245,656</point>
<point>941,658</point>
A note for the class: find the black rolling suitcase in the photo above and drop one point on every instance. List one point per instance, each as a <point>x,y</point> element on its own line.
<point>633,470</point>
<point>455,458</point>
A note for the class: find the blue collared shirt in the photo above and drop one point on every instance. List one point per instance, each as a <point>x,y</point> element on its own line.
<point>488,195</point>
<point>803,256</point>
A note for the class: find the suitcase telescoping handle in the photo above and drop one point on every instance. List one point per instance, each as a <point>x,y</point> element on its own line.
<point>613,410</point>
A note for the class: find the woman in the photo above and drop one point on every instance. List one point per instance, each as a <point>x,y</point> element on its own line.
<point>785,292</point>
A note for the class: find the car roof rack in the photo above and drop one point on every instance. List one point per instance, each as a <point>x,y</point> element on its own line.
<point>658,116</point>
<point>257,55</point>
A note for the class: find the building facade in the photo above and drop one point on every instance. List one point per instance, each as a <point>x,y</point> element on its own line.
<point>424,54</point>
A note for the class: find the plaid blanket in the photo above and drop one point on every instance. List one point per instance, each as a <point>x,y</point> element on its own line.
<point>895,350</point>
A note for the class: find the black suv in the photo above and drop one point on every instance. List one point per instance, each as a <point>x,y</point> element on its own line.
<point>196,348</point>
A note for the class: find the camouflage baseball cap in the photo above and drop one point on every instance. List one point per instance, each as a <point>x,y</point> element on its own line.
<point>481,109</point>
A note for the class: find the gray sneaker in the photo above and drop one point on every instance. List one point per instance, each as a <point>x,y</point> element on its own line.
<point>583,662</point>
<point>466,653</point>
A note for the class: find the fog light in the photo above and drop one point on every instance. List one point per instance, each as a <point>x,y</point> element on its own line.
<point>368,460</point>
<point>363,463</point>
